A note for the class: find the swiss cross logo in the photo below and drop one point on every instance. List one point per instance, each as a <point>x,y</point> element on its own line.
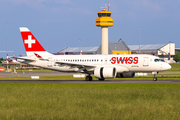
<point>29,41</point>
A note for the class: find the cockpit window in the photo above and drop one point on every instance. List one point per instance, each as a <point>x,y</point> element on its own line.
<point>159,60</point>
<point>156,60</point>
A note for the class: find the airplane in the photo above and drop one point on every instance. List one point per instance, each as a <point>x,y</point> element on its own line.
<point>102,66</point>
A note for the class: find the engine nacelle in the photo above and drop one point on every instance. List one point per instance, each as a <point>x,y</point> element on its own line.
<point>105,72</point>
<point>125,75</point>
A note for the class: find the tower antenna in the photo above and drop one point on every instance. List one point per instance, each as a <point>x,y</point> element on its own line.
<point>109,5</point>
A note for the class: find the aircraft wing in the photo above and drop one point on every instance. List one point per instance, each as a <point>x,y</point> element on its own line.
<point>78,65</point>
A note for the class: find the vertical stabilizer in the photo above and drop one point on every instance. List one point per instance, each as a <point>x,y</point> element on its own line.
<point>31,44</point>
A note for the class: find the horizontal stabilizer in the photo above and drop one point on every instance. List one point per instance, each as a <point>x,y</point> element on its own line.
<point>24,58</point>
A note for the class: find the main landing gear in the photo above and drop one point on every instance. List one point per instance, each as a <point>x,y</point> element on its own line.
<point>88,78</point>
<point>101,79</point>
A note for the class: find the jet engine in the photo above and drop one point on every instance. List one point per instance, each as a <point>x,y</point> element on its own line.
<point>105,72</point>
<point>125,75</point>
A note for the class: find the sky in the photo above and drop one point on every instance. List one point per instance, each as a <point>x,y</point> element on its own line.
<point>61,23</point>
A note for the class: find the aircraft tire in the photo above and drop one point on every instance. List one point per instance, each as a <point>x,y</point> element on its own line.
<point>88,78</point>
<point>101,79</point>
<point>155,79</point>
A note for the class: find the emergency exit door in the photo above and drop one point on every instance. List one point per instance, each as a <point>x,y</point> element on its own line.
<point>146,61</point>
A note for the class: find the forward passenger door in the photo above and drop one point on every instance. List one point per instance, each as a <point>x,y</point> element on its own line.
<point>146,61</point>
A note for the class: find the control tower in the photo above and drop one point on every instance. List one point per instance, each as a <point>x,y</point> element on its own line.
<point>104,21</point>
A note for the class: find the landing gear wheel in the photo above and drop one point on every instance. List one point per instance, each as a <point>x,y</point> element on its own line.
<point>88,78</point>
<point>101,79</point>
<point>154,79</point>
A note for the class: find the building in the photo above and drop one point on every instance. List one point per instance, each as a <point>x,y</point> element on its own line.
<point>114,48</point>
<point>165,51</point>
<point>78,50</point>
<point>26,66</point>
<point>17,64</point>
<point>119,47</point>
<point>177,50</point>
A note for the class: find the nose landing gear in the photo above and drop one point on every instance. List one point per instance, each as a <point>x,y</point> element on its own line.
<point>155,78</point>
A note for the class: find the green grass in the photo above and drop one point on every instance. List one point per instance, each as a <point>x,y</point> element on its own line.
<point>175,67</point>
<point>89,101</point>
<point>70,77</point>
<point>173,74</point>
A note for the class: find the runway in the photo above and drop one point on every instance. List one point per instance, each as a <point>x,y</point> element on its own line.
<point>95,81</point>
<point>33,73</point>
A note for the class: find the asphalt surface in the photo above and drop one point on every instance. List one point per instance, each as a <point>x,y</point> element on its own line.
<point>95,81</point>
<point>33,73</point>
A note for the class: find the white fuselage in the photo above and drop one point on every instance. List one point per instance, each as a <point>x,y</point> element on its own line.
<point>122,63</point>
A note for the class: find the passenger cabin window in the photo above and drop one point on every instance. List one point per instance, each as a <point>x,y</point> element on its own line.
<point>99,14</point>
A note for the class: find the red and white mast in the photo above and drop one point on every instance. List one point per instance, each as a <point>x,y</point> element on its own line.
<point>7,49</point>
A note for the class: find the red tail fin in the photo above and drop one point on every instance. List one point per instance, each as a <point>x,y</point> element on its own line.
<point>30,42</point>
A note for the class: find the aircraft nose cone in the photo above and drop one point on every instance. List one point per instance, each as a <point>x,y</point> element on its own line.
<point>167,67</point>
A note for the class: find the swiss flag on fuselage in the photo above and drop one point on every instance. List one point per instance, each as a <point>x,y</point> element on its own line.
<point>30,42</point>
